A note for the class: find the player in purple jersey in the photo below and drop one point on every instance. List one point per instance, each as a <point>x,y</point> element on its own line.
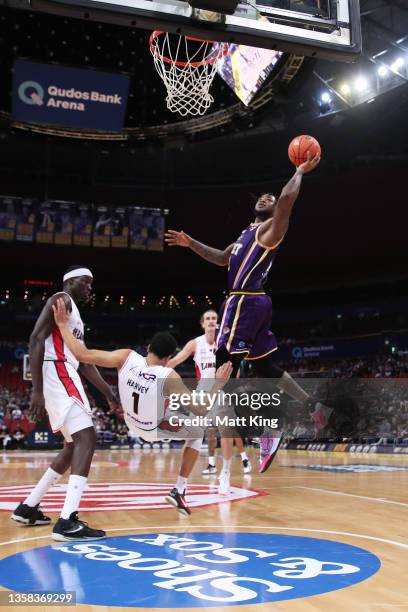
<point>243,328</point>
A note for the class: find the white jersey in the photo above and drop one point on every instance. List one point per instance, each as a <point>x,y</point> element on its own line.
<point>204,358</point>
<point>55,349</point>
<point>141,394</point>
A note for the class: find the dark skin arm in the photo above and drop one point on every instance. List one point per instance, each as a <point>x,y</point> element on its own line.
<point>91,373</point>
<point>42,329</point>
<point>272,231</point>
<point>215,256</point>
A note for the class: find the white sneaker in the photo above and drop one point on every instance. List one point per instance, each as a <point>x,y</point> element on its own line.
<point>246,464</point>
<point>210,469</point>
<point>224,486</point>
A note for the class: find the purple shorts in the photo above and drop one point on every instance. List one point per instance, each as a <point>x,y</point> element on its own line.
<point>244,326</point>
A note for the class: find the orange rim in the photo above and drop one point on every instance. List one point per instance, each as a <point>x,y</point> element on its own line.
<point>208,60</point>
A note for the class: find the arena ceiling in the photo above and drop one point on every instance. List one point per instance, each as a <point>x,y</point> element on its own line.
<point>47,38</point>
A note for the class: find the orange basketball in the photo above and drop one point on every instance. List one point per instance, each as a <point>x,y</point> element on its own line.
<point>300,147</point>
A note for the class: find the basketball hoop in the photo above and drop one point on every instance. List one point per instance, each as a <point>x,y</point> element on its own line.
<point>187,67</point>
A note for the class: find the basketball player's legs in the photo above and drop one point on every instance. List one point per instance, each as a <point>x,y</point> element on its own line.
<point>176,497</point>
<point>270,441</point>
<point>212,445</point>
<point>228,434</point>
<point>246,464</point>
<point>28,512</point>
<point>80,441</point>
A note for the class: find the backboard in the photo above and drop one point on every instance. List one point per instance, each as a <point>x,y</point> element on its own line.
<point>327,29</point>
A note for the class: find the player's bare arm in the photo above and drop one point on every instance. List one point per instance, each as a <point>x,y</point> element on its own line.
<point>183,355</point>
<point>174,386</point>
<point>272,231</point>
<point>41,331</point>
<point>92,374</point>
<point>106,359</point>
<point>215,256</point>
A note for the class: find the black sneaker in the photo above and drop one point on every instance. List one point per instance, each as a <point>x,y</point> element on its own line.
<point>178,501</point>
<point>72,529</point>
<point>30,515</point>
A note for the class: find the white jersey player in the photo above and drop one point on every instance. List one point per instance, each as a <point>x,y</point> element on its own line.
<point>202,349</point>
<point>57,387</point>
<point>146,385</point>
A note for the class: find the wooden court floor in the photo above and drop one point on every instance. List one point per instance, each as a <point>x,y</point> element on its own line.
<point>360,500</point>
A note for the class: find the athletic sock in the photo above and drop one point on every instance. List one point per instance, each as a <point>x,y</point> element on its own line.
<point>226,465</point>
<point>211,461</point>
<point>76,486</point>
<point>244,456</point>
<point>181,484</point>
<point>46,481</point>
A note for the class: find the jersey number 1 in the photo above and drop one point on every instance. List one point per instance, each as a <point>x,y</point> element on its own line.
<point>135,402</point>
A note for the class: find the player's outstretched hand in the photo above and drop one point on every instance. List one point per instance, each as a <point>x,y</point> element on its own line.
<point>61,315</point>
<point>223,373</point>
<point>174,238</point>
<point>310,164</point>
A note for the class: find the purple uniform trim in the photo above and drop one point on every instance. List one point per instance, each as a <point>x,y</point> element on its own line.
<point>249,262</point>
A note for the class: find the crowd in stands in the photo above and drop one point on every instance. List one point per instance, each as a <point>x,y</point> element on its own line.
<point>378,385</point>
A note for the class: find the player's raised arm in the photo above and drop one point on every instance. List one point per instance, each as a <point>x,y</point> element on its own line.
<point>174,386</point>
<point>107,359</point>
<point>215,256</point>
<point>185,353</point>
<point>273,230</point>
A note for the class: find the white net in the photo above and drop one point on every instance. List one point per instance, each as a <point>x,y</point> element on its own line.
<point>187,67</point>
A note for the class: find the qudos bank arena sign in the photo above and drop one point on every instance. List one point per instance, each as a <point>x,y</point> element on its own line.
<point>71,97</point>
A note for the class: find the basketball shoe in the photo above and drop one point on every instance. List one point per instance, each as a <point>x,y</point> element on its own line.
<point>268,447</point>
<point>224,486</point>
<point>30,515</point>
<point>246,464</point>
<point>210,469</point>
<point>178,501</point>
<point>72,529</point>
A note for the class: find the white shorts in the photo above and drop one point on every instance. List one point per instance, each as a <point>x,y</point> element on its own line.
<point>76,420</point>
<point>186,433</point>
<point>62,391</point>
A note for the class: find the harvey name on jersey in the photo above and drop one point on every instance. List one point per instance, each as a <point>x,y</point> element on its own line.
<point>141,393</point>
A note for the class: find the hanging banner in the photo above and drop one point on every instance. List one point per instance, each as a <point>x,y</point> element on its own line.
<point>45,223</point>
<point>25,220</point>
<point>119,228</point>
<point>64,215</point>
<point>102,227</point>
<point>8,217</point>
<point>82,230</point>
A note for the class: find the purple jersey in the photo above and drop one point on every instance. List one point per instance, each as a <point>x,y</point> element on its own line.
<point>249,262</point>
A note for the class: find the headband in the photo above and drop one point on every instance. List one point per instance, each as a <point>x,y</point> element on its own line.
<point>76,273</point>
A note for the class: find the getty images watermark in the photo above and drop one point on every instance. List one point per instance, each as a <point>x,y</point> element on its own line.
<point>221,408</point>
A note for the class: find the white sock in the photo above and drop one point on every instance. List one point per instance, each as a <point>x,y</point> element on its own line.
<point>226,465</point>
<point>181,484</point>
<point>76,486</point>
<point>211,461</point>
<point>46,481</point>
<point>244,456</point>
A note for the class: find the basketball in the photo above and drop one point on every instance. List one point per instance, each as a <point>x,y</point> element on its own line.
<point>299,148</point>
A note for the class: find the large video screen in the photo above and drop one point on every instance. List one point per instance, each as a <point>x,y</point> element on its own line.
<point>245,69</point>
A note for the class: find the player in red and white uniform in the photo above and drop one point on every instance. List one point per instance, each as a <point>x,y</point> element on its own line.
<point>58,389</point>
<point>202,349</point>
<point>146,385</point>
